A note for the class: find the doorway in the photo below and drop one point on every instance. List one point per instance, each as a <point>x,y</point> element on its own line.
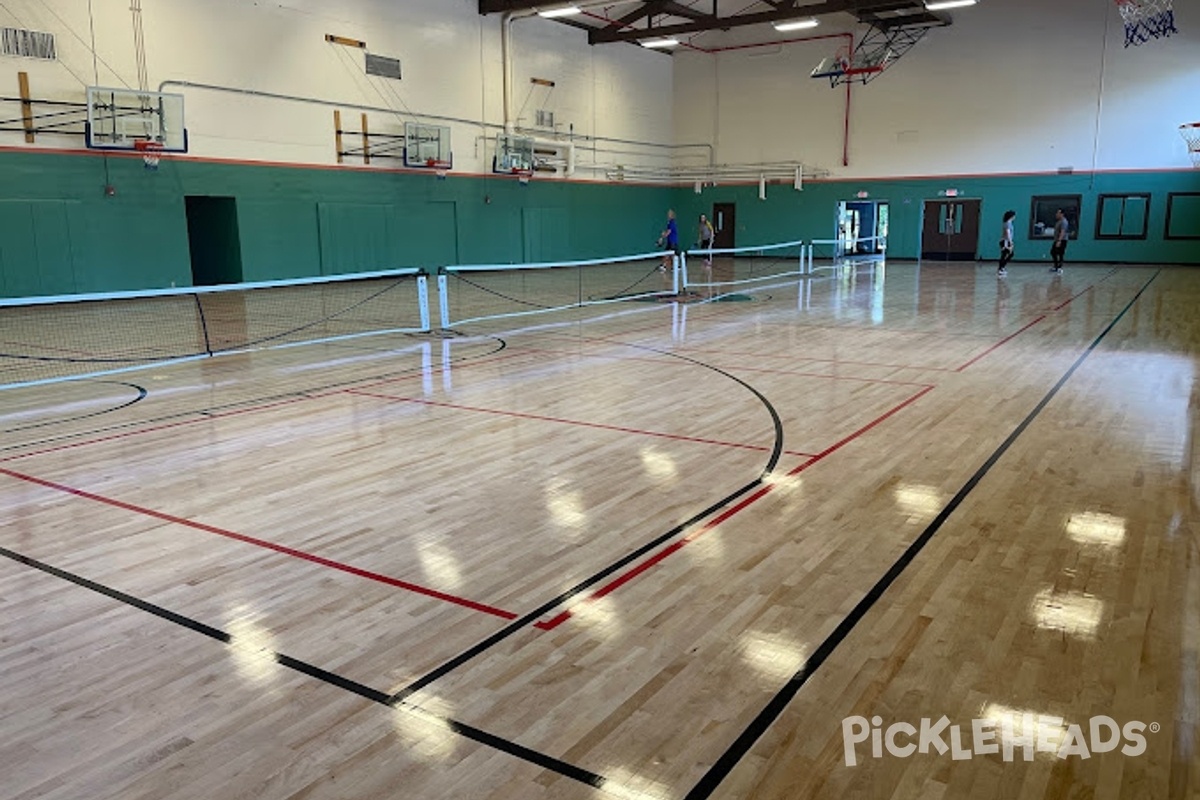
<point>213,240</point>
<point>724,220</point>
<point>862,226</point>
<point>950,230</point>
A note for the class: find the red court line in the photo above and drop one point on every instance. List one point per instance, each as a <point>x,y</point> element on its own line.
<point>201,417</point>
<point>746,502</point>
<point>1001,343</point>
<point>1012,336</point>
<point>878,329</point>
<point>278,548</point>
<point>1072,299</point>
<point>205,416</point>
<point>667,361</point>
<point>437,370</point>
<point>684,349</point>
<point>560,420</point>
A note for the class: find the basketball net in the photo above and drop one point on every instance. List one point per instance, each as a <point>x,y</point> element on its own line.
<point>1191,135</point>
<point>1147,19</point>
<point>151,153</point>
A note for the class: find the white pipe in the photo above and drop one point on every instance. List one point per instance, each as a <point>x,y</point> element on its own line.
<point>506,65</point>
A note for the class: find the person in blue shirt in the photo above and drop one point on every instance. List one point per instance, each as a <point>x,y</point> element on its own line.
<point>669,239</point>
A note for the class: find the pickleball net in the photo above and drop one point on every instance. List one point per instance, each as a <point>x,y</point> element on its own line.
<point>44,339</point>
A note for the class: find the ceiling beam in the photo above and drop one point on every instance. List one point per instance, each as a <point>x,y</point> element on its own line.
<point>496,6</point>
<point>679,10</point>
<point>644,10</point>
<point>604,35</point>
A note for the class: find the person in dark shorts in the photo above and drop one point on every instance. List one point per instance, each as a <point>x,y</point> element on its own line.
<point>1006,243</point>
<point>1062,232</point>
<point>670,240</point>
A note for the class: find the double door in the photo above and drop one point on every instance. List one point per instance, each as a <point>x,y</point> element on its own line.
<point>950,230</point>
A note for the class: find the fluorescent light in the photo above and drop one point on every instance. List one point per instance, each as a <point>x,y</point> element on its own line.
<point>660,42</point>
<point>796,25</point>
<point>566,11</point>
<point>942,5</point>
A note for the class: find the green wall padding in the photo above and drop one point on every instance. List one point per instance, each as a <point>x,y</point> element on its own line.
<point>60,232</point>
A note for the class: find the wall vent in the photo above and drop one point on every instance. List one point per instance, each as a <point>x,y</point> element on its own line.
<point>28,44</point>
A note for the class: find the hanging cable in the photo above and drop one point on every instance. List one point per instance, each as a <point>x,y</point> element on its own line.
<point>96,76</point>
<point>139,46</point>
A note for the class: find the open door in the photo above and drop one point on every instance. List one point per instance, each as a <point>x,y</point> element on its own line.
<point>213,240</point>
<point>863,226</point>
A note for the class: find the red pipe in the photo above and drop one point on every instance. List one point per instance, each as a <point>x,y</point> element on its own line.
<point>846,129</point>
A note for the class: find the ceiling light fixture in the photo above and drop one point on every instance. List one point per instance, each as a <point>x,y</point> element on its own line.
<point>944,5</point>
<point>796,25</point>
<point>566,11</point>
<point>659,42</point>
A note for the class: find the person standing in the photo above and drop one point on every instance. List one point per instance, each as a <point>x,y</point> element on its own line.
<point>669,239</point>
<point>707,235</point>
<point>1006,243</point>
<point>1062,232</point>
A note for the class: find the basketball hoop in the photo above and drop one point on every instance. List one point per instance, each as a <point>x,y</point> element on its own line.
<point>522,175</point>
<point>849,66</point>
<point>440,168</point>
<point>1147,19</point>
<point>1191,134</point>
<point>151,152</point>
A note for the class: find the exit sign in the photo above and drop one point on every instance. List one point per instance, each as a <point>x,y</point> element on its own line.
<point>863,195</point>
<point>951,193</point>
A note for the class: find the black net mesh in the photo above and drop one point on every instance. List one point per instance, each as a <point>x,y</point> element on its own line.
<point>83,337</point>
<point>482,294</point>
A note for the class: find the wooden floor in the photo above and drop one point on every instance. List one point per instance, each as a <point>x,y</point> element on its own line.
<point>649,551</point>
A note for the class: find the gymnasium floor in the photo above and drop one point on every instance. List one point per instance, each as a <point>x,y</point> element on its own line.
<point>644,551</point>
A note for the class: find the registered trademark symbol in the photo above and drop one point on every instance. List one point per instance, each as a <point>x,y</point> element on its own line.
<point>1155,727</point>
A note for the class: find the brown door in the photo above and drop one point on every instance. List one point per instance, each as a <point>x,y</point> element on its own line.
<point>724,220</point>
<point>950,230</point>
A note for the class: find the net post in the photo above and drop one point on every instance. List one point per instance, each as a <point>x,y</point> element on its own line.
<point>675,275</point>
<point>427,368</point>
<point>444,301</point>
<point>684,270</point>
<point>423,300</point>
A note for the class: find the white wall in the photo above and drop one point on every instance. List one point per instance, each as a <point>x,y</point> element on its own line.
<point>450,55</point>
<point>1011,86</point>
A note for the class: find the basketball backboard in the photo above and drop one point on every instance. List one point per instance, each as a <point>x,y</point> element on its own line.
<point>513,154</point>
<point>117,119</point>
<point>427,146</point>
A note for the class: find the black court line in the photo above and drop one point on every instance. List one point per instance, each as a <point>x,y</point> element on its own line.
<point>307,392</point>
<point>741,746</point>
<point>141,395</point>
<point>587,583</point>
<point>501,744</point>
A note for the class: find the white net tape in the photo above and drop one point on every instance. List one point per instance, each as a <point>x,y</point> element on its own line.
<point>1146,20</point>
